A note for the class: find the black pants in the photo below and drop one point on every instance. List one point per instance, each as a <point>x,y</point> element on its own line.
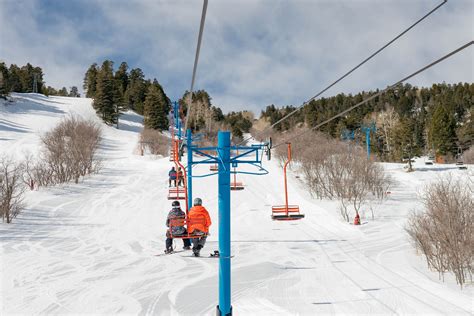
<point>174,182</point>
<point>169,241</point>
<point>198,243</point>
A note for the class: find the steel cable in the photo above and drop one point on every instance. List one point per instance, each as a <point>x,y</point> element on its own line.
<point>379,93</point>
<point>196,59</point>
<point>350,71</point>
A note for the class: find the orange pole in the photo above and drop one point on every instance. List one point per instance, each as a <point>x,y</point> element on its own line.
<point>177,162</point>
<point>284,173</point>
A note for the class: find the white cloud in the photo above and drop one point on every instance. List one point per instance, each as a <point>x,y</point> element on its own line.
<point>254,53</point>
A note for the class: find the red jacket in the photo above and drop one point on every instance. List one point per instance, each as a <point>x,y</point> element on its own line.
<point>199,219</point>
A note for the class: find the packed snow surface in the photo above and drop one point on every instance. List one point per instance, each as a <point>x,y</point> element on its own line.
<point>91,247</point>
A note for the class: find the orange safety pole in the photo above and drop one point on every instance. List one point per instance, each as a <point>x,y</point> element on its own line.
<point>177,162</point>
<point>284,173</point>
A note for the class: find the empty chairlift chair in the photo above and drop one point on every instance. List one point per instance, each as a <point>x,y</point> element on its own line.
<point>236,185</point>
<point>172,155</point>
<point>459,160</point>
<point>177,193</point>
<point>286,212</point>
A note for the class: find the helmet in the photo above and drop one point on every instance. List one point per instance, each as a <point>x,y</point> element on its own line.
<point>175,203</point>
<point>197,201</point>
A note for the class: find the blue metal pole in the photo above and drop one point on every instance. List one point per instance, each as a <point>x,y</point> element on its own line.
<point>223,143</point>
<point>190,168</point>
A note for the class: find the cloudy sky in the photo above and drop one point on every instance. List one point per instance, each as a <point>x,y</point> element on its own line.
<point>254,53</point>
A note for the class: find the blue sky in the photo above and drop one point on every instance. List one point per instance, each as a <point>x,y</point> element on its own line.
<point>254,53</point>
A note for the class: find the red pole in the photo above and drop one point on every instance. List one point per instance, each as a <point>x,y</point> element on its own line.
<point>284,173</point>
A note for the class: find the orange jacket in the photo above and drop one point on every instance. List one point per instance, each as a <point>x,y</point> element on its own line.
<point>201,219</point>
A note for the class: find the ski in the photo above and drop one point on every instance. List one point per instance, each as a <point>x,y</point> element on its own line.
<point>170,253</point>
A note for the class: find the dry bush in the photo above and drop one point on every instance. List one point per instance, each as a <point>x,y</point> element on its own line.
<point>444,233</point>
<point>69,151</point>
<point>11,189</point>
<point>468,156</point>
<point>154,142</point>
<point>335,170</point>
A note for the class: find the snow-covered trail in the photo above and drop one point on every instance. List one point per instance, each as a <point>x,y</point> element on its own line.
<point>90,248</point>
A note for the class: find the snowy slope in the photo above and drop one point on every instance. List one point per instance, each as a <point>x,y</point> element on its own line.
<point>89,248</point>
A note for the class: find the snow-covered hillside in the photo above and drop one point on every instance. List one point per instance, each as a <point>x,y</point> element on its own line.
<point>90,248</point>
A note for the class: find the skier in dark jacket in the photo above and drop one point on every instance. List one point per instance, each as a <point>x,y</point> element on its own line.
<point>172,175</point>
<point>176,214</point>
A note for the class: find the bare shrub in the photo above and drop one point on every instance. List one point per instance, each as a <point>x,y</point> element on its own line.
<point>335,170</point>
<point>154,142</point>
<point>69,151</point>
<point>11,189</point>
<point>444,233</point>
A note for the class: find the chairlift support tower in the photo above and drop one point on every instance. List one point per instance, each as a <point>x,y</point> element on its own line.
<point>367,129</point>
<point>224,161</point>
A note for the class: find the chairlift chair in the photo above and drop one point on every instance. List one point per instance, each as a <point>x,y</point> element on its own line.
<point>286,212</point>
<point>236,185</point>
<point>186,222</point>
<point>177,193</point>
<point>459,160</point>
<point>172,155</point>
<point>214,167</point>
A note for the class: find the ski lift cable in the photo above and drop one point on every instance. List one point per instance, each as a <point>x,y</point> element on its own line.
<point>196,60</point>
<point>350,71</point>
<point>379,93</point>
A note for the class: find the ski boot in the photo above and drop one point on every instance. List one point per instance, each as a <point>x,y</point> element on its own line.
<point>168,251</point>
<point>197,250</point>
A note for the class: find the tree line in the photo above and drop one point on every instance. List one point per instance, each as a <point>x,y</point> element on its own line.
<point>208,119</point>
<point>409,120</point>
<point>28,79</point>
<point>114,92</point>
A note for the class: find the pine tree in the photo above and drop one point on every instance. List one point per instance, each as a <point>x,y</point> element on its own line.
<point>135,93</point>
<point>121,75</point>
<point>156,107</point>
<point>105,94</point>
<point>443,131</point>
<point>119,102</point>
<point>14,81</point>
<point>90,81</point>
<point>74,92</point>
<point>26,78</point>
<point>63,92</point>
<point>4,88</point>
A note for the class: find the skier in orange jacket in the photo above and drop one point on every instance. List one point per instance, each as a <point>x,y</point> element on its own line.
<point>199,222</point>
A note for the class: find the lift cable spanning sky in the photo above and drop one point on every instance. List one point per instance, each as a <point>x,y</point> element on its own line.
<point>196,60</point>
<point>350,71</point>
<point>379,93</point>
